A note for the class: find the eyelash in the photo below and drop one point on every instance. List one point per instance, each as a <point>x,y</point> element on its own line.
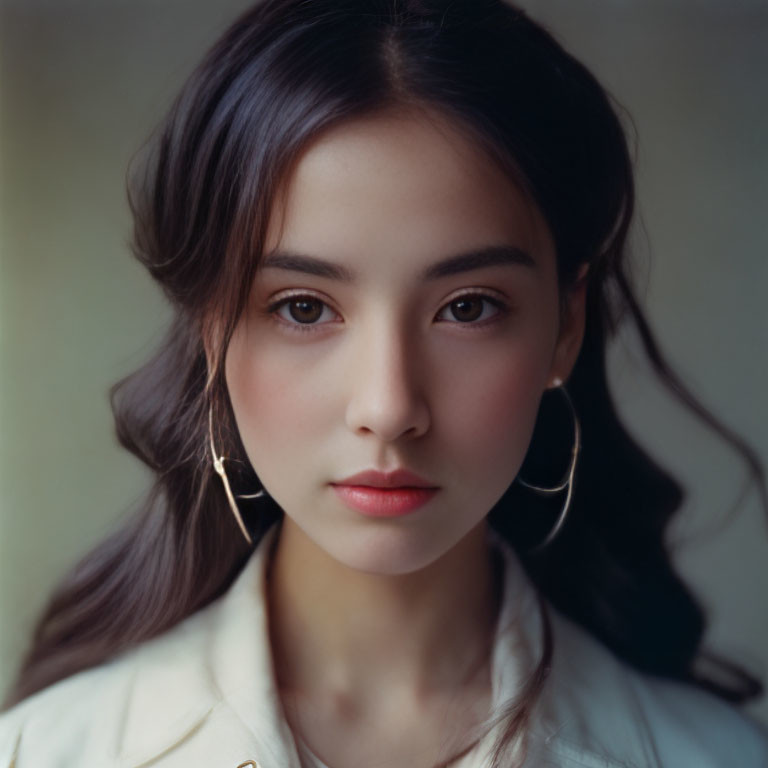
<point>296,327</point>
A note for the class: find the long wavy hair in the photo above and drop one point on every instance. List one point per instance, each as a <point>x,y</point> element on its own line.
<point>201,195</point>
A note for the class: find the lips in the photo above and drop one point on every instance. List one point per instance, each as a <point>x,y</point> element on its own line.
<point>384,494</point>
<point>399,478</point>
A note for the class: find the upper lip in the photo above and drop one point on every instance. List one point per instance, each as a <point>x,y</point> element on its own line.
<point>399,478</point>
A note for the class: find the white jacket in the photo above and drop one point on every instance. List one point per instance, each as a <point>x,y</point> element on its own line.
<point>203,694</point>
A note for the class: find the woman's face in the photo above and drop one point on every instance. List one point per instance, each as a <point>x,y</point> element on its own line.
<point>422,342</point>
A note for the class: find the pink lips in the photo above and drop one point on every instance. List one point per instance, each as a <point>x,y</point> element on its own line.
<point>379,494</point>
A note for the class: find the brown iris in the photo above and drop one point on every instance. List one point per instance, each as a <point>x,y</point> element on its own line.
<point>305,310</point>
<point>467,309</point>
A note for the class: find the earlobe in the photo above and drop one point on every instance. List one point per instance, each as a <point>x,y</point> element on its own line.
<point>571,330</point>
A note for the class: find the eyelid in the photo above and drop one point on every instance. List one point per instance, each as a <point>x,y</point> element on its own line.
<point>483,293</point>
<point>297,293</point>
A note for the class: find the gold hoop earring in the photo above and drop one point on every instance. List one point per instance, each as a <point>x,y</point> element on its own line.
<point>567,482</point>
<point>218,466</point>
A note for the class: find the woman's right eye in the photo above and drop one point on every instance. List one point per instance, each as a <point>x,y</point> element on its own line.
<point>301,313</point>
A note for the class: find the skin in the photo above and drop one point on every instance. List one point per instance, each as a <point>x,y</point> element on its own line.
<point>402,610</point>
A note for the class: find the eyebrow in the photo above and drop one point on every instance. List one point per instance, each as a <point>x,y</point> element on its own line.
<point>491,256</point>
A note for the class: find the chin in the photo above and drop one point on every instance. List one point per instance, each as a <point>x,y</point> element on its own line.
<point>386,549</point>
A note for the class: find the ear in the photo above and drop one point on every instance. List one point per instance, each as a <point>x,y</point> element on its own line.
<point>571,333</point>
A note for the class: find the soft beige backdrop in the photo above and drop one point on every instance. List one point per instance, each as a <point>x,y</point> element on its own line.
<point>83,83</point>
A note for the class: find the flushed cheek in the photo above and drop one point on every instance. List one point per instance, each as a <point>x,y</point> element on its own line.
<point>273,409</point>
<point>490,432</point>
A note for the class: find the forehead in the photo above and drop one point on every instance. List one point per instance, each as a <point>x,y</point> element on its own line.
<point>406,184</point>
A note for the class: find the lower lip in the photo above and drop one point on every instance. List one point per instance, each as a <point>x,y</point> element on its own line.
<point>383,502</point>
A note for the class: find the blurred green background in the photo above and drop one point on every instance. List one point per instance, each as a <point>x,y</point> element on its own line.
<point>82,84</point>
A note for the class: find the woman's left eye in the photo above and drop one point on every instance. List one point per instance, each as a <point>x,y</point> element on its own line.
<point>471,309</point>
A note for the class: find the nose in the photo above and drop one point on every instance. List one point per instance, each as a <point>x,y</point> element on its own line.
<point>387,397</point>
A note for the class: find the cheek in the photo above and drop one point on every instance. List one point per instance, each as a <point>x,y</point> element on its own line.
<point>491,407</point>
<point>270,400</point>
<point>508,416</point>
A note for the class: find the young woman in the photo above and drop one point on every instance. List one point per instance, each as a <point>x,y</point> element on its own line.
<point>396,521</point>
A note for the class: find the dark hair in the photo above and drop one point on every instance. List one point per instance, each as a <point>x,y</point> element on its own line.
<point>283,73</point>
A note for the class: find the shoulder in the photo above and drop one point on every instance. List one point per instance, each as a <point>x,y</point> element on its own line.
<point>639,720</point>
<point>81,720</point>
<point>155,696</point>
<point>73,718</point>
<point>688,721</point>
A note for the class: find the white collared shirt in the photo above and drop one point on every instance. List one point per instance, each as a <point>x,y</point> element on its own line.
<point>204,694</point>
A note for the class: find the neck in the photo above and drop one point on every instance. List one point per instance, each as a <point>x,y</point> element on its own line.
<point>350,635</point>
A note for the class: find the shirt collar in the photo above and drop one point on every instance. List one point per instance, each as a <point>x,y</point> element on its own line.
<point>215,663</point>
